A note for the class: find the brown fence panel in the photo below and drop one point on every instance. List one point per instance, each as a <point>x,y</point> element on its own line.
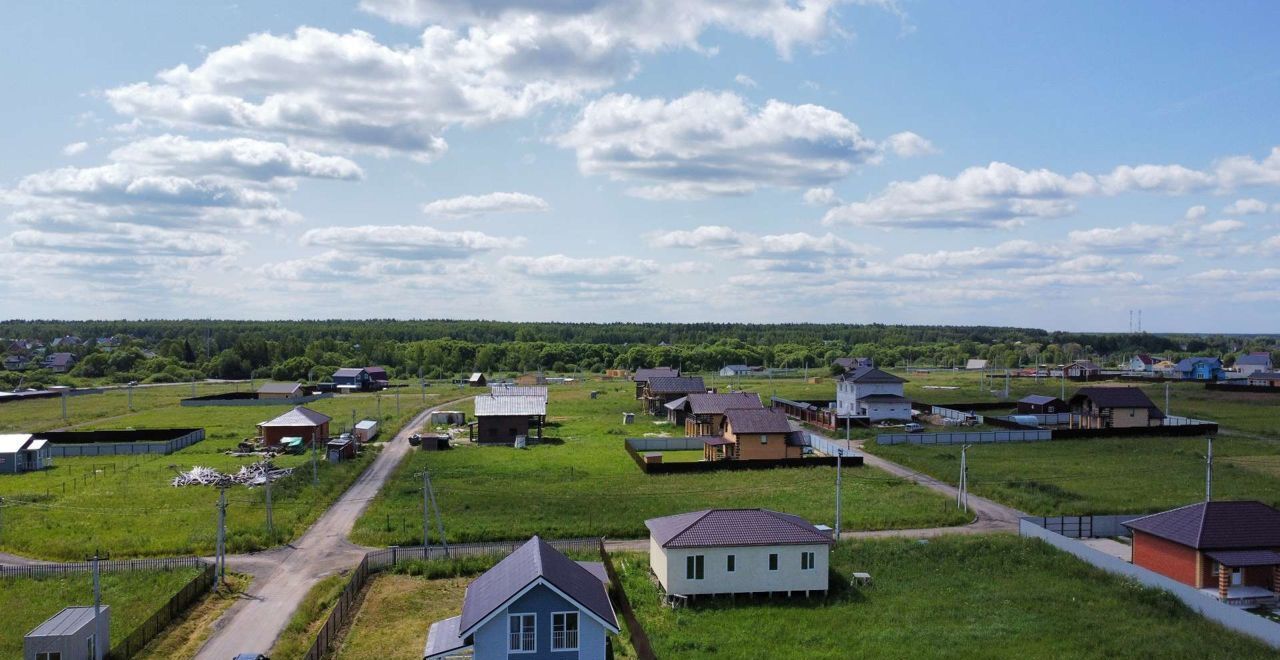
<point>639,638</point>
<point>341,613</point>
<point>143,634</point>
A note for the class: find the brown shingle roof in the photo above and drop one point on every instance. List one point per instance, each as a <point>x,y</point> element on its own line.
<point>643,375</point>
<point>299,416</point>
<point>760,420</point>
<point>677,385</point>
<point>711,403</point>
<point>1117,397</point>
<point>1215,525</point>
<point>733,528</point>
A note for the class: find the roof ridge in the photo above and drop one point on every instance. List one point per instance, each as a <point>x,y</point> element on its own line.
<point>783,517</point>
<point>1204,513</point>
<point>704,512</point>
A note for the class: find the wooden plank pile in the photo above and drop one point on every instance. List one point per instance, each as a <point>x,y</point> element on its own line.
<point>255,474</point>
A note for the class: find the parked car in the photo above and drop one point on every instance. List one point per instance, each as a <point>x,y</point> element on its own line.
<point>251,656</point>
<point>914,428</point>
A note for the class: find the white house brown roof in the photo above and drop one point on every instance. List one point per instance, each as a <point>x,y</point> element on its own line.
<point>733,528</point>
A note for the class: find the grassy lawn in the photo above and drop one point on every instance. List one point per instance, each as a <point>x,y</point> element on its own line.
<point>392,623</point>
<point>956,597</point>
<point>46,414</point>
<point>124,504</point>
<point>301,632</point>
<point>184,636</point>
<point>1110,475</point>
<point>132,595</point>
<point>584,484</point>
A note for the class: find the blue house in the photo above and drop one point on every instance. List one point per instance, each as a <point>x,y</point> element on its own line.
<point>536,604</point>
<point>354,378</point>
<point>1200,368</point>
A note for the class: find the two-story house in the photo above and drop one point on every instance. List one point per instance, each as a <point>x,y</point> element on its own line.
<point>535,604</point>
<point>872,393</point>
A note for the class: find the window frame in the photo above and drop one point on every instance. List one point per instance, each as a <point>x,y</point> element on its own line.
<point>773,561</point>
<point>577,630</point>
<point>534,632</point>
<point>808,560</point>
<point>731,563</point>
<point>695,567</point>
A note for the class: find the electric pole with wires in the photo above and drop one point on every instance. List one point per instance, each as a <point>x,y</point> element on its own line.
<point>1208,472</point>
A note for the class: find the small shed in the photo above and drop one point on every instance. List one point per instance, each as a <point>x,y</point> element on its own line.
<point>22,452</point>
<point>477,379</point>
<point>365,430</point>
<point>280,391</point>
<point>69,635</point>
<point>1038,404</point>
<point>433,441</point>
<point>340,449</point>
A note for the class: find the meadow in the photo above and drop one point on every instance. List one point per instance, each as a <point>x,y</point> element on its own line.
<point>132,595</point>
<point>582,483</point>
<point>996,596</point>
<point>124,504</point>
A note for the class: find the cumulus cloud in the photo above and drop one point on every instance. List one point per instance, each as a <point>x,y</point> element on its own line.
<point>75,148</point>
<point>240,157</point>
<point>1196,213</point>
<point>1248,206</point>
<point>1160,260</point>
<point>1222,226</point>
<point>745,80</point>
<point>1132,238</point>
<point>908,144</point>
<point>794,247</point>
<point>1000,194</point>
<point>708,144</point>
<point>822,196</point>
<point>1010,254</point>
<point>407,241</point>
<point>585,270</point>
<point>496,202</point>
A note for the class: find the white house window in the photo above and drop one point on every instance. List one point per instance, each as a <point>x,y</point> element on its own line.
<point>806,561</point>
<point>523,636</point>
<point>773,561</point>
<point>564,631</point>
<point>764,439</point>
<point>731,563</point>
<point>50,656</point>
<point>693,567</point>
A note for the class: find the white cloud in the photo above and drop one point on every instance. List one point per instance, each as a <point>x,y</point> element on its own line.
<point>407,241</point>
<point>1222,226</point>
<point>1272,244</point>
<point>1001,194</point>
<point>1160,260</point>
<point>792,247</point>
<point>1010,254</point>
<point>75,148</point>
<point>239,157</point>
<point>1196,213</point>
<point>616,269</point>
<point>745,80</point>
<point>496,202</point>
<point>704,237</point>
<point>1130,239</point>
<point>707,144</point>
<point>1248,206</point>
<point>823,196</point>
<point>907,144</point>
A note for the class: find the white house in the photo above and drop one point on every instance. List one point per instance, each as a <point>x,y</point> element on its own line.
<point>1142,362</point>
<point>870,392</point>
<point>738,551</point>
<point>1249,363</point>
<point>975,364</point>
<point>730,370</point>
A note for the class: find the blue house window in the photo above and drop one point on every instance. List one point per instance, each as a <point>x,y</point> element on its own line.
<point>524,635</point>
<point>564,631</point>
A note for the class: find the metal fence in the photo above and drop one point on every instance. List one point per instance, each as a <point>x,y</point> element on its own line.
<point>391,557</point>
<point>826,445</point>
<point>1175,420</point>
<point>1085,527</point>
<point>208,401</point>
<point>177,605</point>
<point>968,437</point>
<point>665,444</point>
<point>124,448</point>
<point>1208,606</point>
<point>952,413</point>
<point>341,613</point>
<point>105,566</point>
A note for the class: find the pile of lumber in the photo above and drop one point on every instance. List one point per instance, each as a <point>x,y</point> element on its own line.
<point>255,474</point>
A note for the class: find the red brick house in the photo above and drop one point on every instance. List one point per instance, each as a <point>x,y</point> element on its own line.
<point>1230,549</point>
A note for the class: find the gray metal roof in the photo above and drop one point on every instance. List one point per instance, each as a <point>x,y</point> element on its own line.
<point>299,416</point>
<point>489,405</point>
<point>1222,525</point>
<point>1259,359</point>
<point>1039,399</point>
<point>884,398</point>
<point>530,562</point>
<point>69,620</point>
<point>13,442</point>
<point>870,375</point>
<point>443,637</point>
<point>677,385</point>
<point>366,424</point>
<point>279,388</point>
<point>713,403</point>
<point>518,390</point>
<point>676,403</point>
<point>733,528</point>
<point>348,372</point>
<point>643,375</point>
<point>759,420</point>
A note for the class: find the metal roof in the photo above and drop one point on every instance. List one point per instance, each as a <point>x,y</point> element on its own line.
<point>69,620</point>
<point>518,390</point>
<point>733,528</point>
<point>1187,364</point>
<point>348,371</point>
<point>1223,525</point>
<point>870,375</point>
<point>1265,375</point>
<point>533,561</point>
<point>13,442</point>
<point>299,416</point>
<point>1038,399</point>
<point>884,398</point>
<point>1118,397</point>
<point>476,377</point>
<point>443,638</point>
<point>279,388</point>
<point>759,420</point>
<point>489,405</point>
<point>366,424</point>
<point>1243,558</point>
<point>645,374</point>
<point>676,384</point>
<point>676,403</point>
<point>714,403</point>
<point>1259,359</point>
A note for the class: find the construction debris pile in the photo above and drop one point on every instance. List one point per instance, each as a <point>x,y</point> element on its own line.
<point>255,474</point>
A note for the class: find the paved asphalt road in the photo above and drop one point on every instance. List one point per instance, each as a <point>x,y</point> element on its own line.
<point>283,576</point>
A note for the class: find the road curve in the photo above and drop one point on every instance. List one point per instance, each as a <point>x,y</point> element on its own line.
<point>286,574</point>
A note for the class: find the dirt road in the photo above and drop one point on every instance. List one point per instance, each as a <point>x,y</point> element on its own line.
<point>283,576</point>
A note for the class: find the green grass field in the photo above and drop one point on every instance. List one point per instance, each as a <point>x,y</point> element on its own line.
<point>584,484</point>
<point>124,504</point>
<point>46,414</point>
<point>132,595</point>
<point>955,597</point>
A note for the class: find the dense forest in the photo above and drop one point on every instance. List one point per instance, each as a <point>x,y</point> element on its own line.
<point>166,351</point>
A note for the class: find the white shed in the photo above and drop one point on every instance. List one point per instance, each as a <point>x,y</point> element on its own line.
<point>69,635</point>
<point>738,551</point>
<point>365,430</point>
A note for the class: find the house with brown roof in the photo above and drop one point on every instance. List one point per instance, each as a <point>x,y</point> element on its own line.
<point>1230,550</point>
<point>1114,408</point>
<point>661,390</point>
<point>753,434</point>
<point>704,412</point>
<point>1083,370</point>
<point>301,422</point>
<point>738,551</point>
<point>642,376</point>
<point>59,363</point>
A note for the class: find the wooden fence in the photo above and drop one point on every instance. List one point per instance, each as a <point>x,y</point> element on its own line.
<point>105,566</point>
<point>342,612</point>
<point>177,605</point>
<point>639,638</point>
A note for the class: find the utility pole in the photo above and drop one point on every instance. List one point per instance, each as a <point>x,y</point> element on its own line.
<point>378,398</point>
<point>1208,472</point>
<point>839,456</point>
<point>423,383</point>
<point>1166,398</point>
<point>129,388</point>
<point>219,560</point>
<point>64,404</point>
<point>1063,395</point>
<point>962,493</point>
<point>98,644</point>
<point>429,499</point>
<point>426,513</point>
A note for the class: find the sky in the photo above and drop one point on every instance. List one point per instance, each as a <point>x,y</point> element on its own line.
<point>1036,164</point>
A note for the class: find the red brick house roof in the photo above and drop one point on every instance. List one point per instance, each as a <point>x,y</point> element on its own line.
<point>1215,525</point>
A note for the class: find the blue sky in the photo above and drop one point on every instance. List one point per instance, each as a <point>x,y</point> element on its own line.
<point>1026,163</point>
